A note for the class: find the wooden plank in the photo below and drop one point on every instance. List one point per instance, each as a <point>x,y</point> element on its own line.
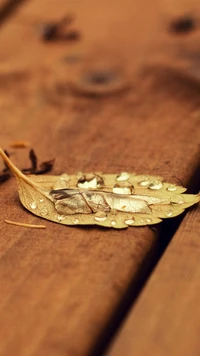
<point>166,318</point>
<point>63,284</point>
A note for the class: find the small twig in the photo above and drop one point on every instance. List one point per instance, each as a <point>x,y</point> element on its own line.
<point>24,225</point>
<point>6,169</point>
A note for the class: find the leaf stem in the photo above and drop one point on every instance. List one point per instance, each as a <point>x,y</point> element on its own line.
<point>14,169</point>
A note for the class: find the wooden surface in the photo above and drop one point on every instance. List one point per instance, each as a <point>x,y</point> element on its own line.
<point>61,287</point>
<point>165,319</point>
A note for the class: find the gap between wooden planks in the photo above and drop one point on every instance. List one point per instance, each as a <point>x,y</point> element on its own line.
<point>64,284</point>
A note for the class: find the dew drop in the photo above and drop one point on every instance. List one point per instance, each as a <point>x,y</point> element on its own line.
<point>123,176</point>
<point>76,221</point>
<point>100,216</point>
<point>156,185</point>
<point>148,220</point>
<point>90,180</point>
<point>60,217</point>
<point>100,219</point>
<point>130,222</point>
<point>88,184</point>
<point>113,223</point>
<point>123,188</point>
<point>141,221</point>
<point>171,188</point>
<point>33,205</point>
<point>41,200</point>
<point>144,183</point>
<point>118,190</point>
<point>169,213</point>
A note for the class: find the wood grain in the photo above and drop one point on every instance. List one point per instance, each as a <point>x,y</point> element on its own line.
<point>64,284</point>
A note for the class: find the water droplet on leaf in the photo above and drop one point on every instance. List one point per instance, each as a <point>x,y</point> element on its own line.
<point>61,217</point>
<point>113,223</point>
<point>130,222</point>
<point>169,213</point>
<point>33,205</point>
<point>90,181</point>
<point>100,216</point>
<point>156,185</point>
<point>76,221</point>
<point>144,183</point>
<point>172,188</point>
<point>123,176</point>
<point>123,188</point>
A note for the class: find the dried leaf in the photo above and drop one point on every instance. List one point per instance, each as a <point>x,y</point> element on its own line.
<point>44,166</point>
<point>33,159</point>
<point>109,200</point>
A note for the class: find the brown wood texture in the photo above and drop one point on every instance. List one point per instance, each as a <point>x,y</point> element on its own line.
<point>2,3</point>
<point>61,286</point>
<point>7,8</point>
<point>166,318</point>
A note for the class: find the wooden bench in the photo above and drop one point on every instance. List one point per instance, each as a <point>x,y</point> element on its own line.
<point>122,95</point>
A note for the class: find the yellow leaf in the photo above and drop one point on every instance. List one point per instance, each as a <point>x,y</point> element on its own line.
<point>110,200</point>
